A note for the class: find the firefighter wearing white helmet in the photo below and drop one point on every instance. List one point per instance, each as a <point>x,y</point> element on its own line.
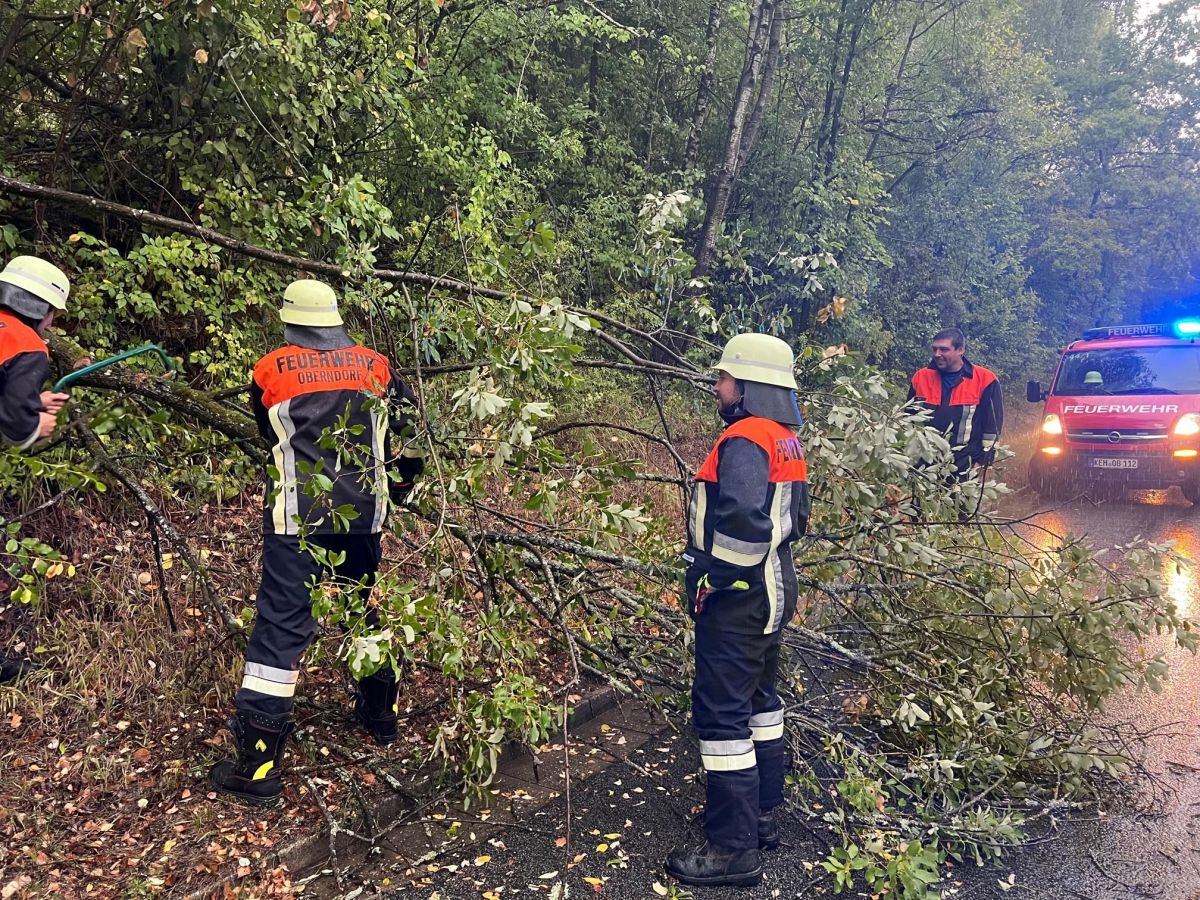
<point>749,503</point>
<point>311,303</point>
<point>32,290</point>
<point>321,379</point>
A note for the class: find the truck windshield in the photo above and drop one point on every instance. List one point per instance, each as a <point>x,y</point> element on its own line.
<point>1132,370</point>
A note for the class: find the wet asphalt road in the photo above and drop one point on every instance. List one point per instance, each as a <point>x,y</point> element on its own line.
<point>622,822</point>
<point>1152,850</point>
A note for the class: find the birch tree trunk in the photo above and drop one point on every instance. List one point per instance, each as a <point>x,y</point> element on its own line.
<point>749,86</point>
<point>704,86</point>
<point>774,52</point>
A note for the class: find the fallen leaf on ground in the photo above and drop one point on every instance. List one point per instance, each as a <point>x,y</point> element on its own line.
<point>16,885</point>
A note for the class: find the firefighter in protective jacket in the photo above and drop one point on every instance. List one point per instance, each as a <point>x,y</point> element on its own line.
<point>749,503</point>
<point>964,399</point>
<point>325,405</point>
<point>31,292</point>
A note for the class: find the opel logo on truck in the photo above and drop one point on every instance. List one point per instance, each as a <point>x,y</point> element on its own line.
<point>1114,437</point>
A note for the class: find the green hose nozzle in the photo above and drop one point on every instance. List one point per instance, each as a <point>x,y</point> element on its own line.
<point>71,377</point>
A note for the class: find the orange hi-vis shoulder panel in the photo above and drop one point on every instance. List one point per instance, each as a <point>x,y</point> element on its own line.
<point>783,449</point>
<point>293,371</point>
<point>303,393</point>
<point>16,338</point>
<point>927,387</point>
<point>969,391</point>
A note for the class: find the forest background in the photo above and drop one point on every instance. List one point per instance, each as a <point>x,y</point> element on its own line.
<point>550,216</point>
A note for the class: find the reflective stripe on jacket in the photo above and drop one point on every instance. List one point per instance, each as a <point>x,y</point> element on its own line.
<point>298,394</point>
<point>971,415</point>
<point>24,368</point>
<point>749,503</point>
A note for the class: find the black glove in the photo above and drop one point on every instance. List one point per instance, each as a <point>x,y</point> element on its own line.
<point>398,491</point>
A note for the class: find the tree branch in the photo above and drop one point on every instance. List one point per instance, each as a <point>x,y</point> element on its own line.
<point>164,526</point>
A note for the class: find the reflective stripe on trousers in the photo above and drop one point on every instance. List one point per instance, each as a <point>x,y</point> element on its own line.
<point>767,726</point>
<point>269,680</point>
<point>727,756</point>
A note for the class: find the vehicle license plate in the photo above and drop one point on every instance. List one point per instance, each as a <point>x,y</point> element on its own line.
<point>1102,463</point>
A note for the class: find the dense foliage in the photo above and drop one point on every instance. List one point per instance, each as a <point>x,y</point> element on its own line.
<point>1020,169</point>
<point>606,190</point>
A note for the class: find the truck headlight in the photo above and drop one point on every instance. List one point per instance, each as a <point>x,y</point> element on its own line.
<point>1188,425</point>
<point>1052,424</point>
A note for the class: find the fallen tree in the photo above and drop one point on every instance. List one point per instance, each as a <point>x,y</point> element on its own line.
<point>963,667</point>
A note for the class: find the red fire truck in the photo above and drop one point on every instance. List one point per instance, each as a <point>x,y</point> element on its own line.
<point>1123,410</point>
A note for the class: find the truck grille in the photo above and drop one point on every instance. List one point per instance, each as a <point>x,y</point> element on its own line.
<point>1117,437</point>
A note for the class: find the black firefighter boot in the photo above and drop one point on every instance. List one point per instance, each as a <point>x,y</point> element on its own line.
<point>11,669</point>
<point>375,706</point>
<point>768,830</point>
<point>255,775</point>
<point>710,865</point>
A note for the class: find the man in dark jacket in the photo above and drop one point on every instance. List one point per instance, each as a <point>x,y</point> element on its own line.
<point>749,503</point>
<point>964,399</point>
<point>325,405</point>
<point>31,292</point>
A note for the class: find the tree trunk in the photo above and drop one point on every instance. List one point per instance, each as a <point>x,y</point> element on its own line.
<point>704,86</point>
<point>835,122</point>
<point>589,136</point>
<point>12,31</point>
<point>774,52</point>
<point>851,15</point>
<point>830,86</point>
<point>762,15</point>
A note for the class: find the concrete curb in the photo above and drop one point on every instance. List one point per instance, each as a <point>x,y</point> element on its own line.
<point>312,850</point>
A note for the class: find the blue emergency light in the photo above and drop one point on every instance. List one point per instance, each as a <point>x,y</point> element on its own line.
<point>1188,328</point>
